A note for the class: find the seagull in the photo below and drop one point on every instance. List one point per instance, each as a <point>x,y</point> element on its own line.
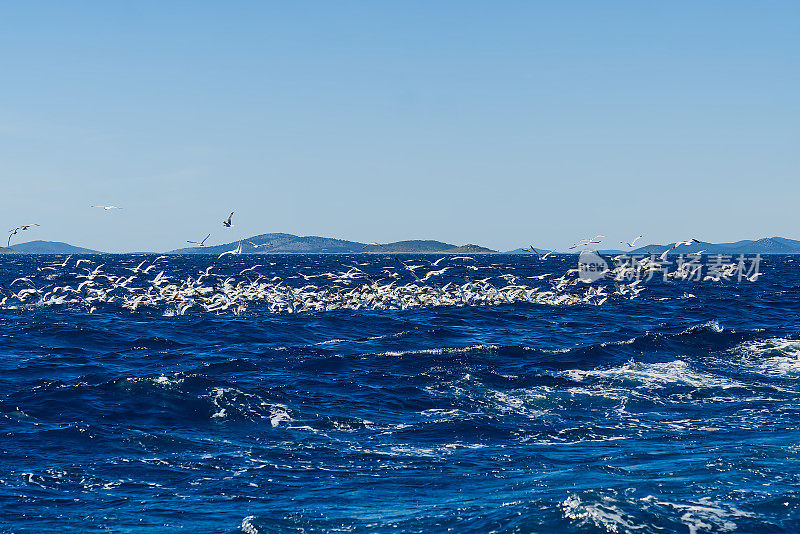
<point>541,257</point>
<point>687,242</point>
<point>65,262</point>
<point>679,243</point>
<point>587,241</point>
<point>236,251</point>
<point>253,268</point>
<point>376,244</point>
<point>17,230</point>
<point>227,223</point>
<point>108,208</point>
<point>632,242</point>
<point>435,273</point>
<point>199,243</point>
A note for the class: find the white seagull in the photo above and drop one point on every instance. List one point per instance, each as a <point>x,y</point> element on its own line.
<point>17,230</point>
<point>235,252</point>
<point>687,242</point>
<point>227,222</point>
<point>632,242</point>
<point>108,208</point>
<point>541,256</point>
<point>199,243</point>
<point>587,241</point>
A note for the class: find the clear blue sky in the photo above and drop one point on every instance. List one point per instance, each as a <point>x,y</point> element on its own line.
<point>499,123</point>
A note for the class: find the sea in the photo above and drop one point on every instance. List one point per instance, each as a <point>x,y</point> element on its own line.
<point>674,411</point>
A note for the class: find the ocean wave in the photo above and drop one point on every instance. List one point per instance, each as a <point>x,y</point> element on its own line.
<point>654,414</point>
<point>624,512</point>
<point>232,403</point>
<point>656,375</point>
<point>776,356</point>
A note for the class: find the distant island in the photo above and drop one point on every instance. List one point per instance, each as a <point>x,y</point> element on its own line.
<point>50,247</point>
<point>766,245</point>
<point>279,243</point>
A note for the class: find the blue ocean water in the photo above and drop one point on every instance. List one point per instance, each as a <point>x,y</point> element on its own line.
<point>676,411</point>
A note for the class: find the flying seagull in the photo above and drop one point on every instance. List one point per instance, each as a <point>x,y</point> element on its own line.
<point>16,230</point>
<point>679,243</point>
<point>687,242</point>
<point>541,256</point>
<point>632,242</point>
<point>108,208</point>
<point>235,252</point>
<point>199,243</point>
<point>587,241</point>
<point>227,223</point>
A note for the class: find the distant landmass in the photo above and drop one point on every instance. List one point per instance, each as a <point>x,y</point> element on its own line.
<point>293,244</point>
<point>50,247</point>
<point>527,251</point>
<point>416,246</point>
<point>767,245</point>
<point>470,249</point>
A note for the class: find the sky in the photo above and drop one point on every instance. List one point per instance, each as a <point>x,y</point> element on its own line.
<point>498,123</point>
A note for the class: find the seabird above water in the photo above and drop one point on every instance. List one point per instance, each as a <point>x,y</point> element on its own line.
<point>540,255</point>
<point>587,241</point>
<point>235,252</point>
<point>632,242</point>
<point>199,243</point>
<point>17,230</point>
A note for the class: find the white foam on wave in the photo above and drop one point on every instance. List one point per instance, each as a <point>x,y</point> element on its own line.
<point>703,515</point>
<point>330,342</point>
<point>440,351</point>
<point>712,326</point>
<point>655,375</point>
<point>60,479</point>
<point>247,525</point>
<point>605,514</point>
<point>227,400</point>
<point>166,382</point>
<point>775,356</point>
<point>613,513</point>
<point>520,401</point>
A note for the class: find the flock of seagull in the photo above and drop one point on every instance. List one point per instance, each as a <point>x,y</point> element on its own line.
<point>399,286</point>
